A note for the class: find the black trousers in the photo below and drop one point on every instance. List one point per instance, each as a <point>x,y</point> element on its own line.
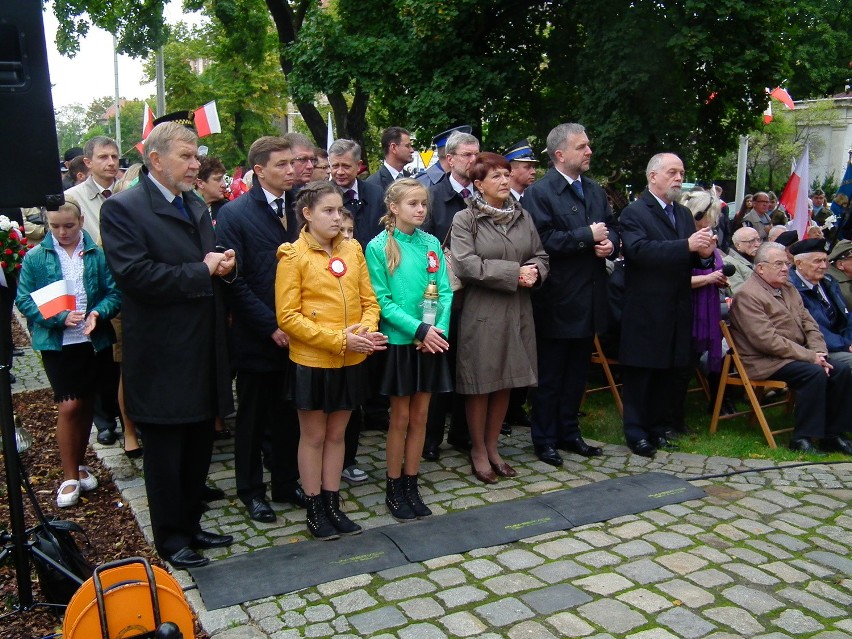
<point>175,464</point>
<point>823,402</point>
<point>264,413</point>
<point>648,395</point>
<point>563,369</point>
<point>106,400</point>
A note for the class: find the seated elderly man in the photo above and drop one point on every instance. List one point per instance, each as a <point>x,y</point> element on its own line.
<point>777,338</point>
<point>840,268</point>
<point>822,297</point>
<point>746,242</point>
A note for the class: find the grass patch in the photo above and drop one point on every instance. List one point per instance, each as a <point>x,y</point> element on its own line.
<point>734,437</point>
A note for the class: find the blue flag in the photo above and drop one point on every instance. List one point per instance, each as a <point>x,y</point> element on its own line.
<point>845,188</point>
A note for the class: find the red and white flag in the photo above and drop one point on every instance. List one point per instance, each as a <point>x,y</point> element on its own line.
<point>782,96</point>
<point>55,298</point>
<point>207,120</point>
<point>147,126</point>
<point>794,198</point>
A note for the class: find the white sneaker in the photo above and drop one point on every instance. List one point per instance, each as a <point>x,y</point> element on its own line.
<point>354,475</point>
<point>89,482</point>
<point>64,500</point>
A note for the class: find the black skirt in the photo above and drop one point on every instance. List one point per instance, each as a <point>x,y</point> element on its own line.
<point>408,371</point>
<point>76,371</point>
<point>330,389</point>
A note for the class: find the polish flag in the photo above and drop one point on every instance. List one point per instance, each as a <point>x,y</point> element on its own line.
<point>207,120</point>
<point>794,198</point>
<point>55,298</point>
<point>329,135</point>
<point>782,96</point>
<point>147,127</point>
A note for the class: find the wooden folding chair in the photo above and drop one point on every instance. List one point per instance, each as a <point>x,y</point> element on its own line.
<point>734,374</point>
<point>598,357</point>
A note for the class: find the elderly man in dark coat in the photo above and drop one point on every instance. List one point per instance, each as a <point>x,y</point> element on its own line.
<point>578,231</point>
<point>778,338</point>
<point>162,251</point>
<point>661,247</point>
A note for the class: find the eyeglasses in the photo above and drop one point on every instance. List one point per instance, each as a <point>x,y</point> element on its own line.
<point>304,159</point>
<point>323,167</point>
<point>466,156</point>
<point>755,240</point>
<point>777,264</point>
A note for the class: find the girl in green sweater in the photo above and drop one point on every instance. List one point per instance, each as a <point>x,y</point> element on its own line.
<point>409,277</point>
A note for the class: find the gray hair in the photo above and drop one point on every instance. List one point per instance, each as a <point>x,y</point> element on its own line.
<point>559,135</point>
<point>457,139</point>
<point>702,202</point>
<point>298,140</point>
<point>345,147</point>
<point>655,163</point>
<point>161,137</point>
<point>760,256</point>
<point>98,140</point>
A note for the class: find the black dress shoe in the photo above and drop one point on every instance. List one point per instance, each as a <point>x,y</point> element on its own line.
<point>291,494</point>
<point>802,445</point>
<point>506,429</point>
<point>663,442</point>
<point>548,455</point>
<point>836,444</point>
<point>431,451</point>
<point>644,448</point>
<point>209,493</point>
<point>17,352</point>
<point>204,539</point>
<point>107,437</point>
<point>187,558</point>
<point>260,511</point>
<point>580,447</point>
<point>225,433</point>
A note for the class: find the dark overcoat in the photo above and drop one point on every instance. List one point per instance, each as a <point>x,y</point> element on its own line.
<point>656,327</point>
<point>367,212</point>
<point>573,301</point>
<point>175,359</point>
<point>444,203</point>
<point>250,227</point>
<point>381,178</point>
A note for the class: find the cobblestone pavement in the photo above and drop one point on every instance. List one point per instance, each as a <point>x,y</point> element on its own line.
<point>765,555</point>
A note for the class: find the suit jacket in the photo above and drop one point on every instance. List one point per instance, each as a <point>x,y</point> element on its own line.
<point>444,203</point>
<point>772,330</point>
<point>250,227</point>
<point>175,360</point>
<point>656,329</point>
<point>572,303</point>
<point>367,212</point>
<point>381,178</point>
<point>837,334</point>
<point>744,270</point>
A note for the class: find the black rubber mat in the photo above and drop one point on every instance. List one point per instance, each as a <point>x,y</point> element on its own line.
<point>282,569</point>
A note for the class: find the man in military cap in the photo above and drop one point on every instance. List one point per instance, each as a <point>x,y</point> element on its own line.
<point>437,171</point>
<point>524,164</point>
<point>778,338</point>
<point>840,268</point>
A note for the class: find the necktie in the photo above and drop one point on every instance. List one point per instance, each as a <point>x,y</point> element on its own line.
<point>670,213</point>
<point>578,188</point>
<point>350,195</point>
<point>178,204</point>
<point>465,193</point>
<point>279,204</point>
<point>106,192</point>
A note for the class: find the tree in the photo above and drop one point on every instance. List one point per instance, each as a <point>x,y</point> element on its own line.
<point>71,126</point>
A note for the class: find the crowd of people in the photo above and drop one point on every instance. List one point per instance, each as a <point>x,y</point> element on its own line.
<point>340,304</point>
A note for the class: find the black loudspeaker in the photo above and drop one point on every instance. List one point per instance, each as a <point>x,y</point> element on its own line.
<point>29,160</point>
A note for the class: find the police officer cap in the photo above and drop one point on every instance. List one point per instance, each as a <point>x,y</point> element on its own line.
<point>181,117</point>
<point>520,152</point>
<point>440,140</point>
<point>841,251</point>
<point>815,245</point>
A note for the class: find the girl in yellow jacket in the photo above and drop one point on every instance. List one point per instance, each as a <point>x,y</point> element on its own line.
<point>325,304</point>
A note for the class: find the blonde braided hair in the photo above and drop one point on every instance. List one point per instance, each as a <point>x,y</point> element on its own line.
<point>395,194</point>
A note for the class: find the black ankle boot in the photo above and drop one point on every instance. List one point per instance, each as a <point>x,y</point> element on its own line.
<point>396,502</point>
<point>318,524</point>
<point>338,519</point>
<point>412,496</point>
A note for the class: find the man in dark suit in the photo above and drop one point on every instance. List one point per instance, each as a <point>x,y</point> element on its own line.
<point>661,247</point>
<point>446,198</point>
<point>396,145</point>
<point>364,200</point>
<point>578,232</point>
<point>162,250</point>
<point>255,225</point>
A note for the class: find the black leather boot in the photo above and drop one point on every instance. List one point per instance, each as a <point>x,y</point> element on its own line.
<point>412,496</point>
<point>338,519</point>
<point>396,502</point>
<point>318,524</point>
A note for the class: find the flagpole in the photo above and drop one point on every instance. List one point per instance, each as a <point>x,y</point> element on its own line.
<point>117,106</point>
<point>742,159</point>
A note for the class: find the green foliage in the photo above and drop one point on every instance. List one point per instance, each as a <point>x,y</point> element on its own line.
<point>829,185</point>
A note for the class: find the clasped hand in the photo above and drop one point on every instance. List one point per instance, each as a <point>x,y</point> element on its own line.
<point>75,317</point>
<point>702,242</point>
<point>360,340</point>
<point>528,275</point>
<point>434,341</point>
<point>221,263</point>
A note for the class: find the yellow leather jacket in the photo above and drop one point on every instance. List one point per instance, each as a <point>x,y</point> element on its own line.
<point>314,306</point>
